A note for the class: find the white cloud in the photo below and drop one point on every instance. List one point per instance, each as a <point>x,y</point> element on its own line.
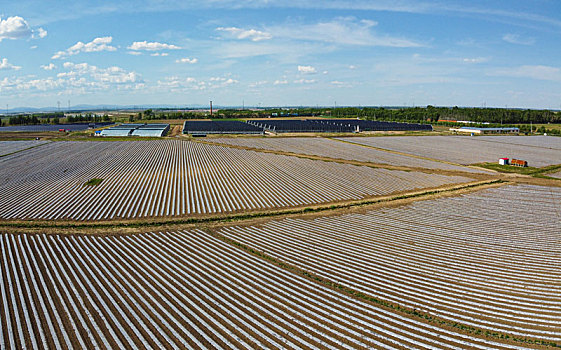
<point>280,82</point>
<point>187,60</point>
<point>343,31</point>
<point>304,81</point>
<point>96,45</point>
<point>258,83</point>
<point>163,54</point>
<point>341,84</point>
<point>518,40</point>
<point>176,84</point>
<point>151,46</point>
<point>108,75</point>
<point>134,53</point>
<point>352,66</point>
<point>475,60</point>
<point>40,33</point>
<point>251,34</point>
<point>33,47</point>
<point>538,72</point>
<point>50,66</point>
<point>4,64</point>
<point>306,69</point>
<point>14,28</point>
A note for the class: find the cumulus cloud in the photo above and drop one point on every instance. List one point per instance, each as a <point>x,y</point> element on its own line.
<point>475,60</point>
<point>304,81</point>
<point>518,40</point>
<point>134,53</point>
<point>96,45</point>
<point>49,66</point>
<point>14,28</point>
<point>40,33</point>
<point>156,54</point>
<point>176,84</point>
<point>151,46</point>
<point>75,78</point>
<point>4,64</point>
<point>280,82</point>
<point>187,60</point>
<point>239,33</point>
<point>306,69</point>
<point>258,83</point>
<point>109,75</point>
<point>341,84</point>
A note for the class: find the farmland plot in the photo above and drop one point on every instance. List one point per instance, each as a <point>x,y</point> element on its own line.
<point>339,150</point>
<point>550,142</point>
<point>489,260</point>
<point>185,290</point>
<point>463,149</point>
<point>168,177</point>
<point>7,147</point>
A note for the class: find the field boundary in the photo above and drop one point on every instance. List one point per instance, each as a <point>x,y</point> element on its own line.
<point>401,153</point>
<point>25,149</point>
<point>361,163</point>
<point>334,285</point>
<point>40,226</point>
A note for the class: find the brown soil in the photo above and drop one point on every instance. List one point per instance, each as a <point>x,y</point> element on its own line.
<point>123,227</point>
<point>175,131</point>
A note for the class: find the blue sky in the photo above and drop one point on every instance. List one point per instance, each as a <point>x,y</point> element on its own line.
<point>278,52</point>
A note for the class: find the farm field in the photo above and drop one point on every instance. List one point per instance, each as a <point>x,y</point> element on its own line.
<point>489,260</point>
<point>556,175</point>
<point>550,142</point>
<point>172,178</point>
<point>340,150</point>
<point>469,150</point>
<point>8,147</point>
<point>50,127</point>
<point>186,289</point>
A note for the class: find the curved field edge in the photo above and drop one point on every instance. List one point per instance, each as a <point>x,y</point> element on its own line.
<point>264,253</point>
<point>380,302</point>
<point>178,178</point>
<point>124,226</point>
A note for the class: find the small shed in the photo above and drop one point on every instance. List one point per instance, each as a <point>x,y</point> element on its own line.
<point>519,162</point>
<point>503,161</point>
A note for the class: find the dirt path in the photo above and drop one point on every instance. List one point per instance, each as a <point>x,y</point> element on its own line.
<point>176,131</point>
<point>361,163</point>
<point>123,227</point>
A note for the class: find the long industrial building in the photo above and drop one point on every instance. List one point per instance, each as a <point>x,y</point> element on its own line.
<point>143,130</point>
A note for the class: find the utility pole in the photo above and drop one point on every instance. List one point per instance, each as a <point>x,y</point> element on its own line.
<point>211,108</point>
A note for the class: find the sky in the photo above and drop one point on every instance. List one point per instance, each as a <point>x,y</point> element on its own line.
<point>281,53</point>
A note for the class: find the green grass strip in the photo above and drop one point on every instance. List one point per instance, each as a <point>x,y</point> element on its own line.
<point>537,172</point>
<point>243,216</point>
<point>361,295</point>
<point>93,182</point>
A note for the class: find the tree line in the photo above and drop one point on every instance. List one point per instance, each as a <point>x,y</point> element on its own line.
<point>435,114</point>
<point>55,118</point>
<point>429,114</point>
